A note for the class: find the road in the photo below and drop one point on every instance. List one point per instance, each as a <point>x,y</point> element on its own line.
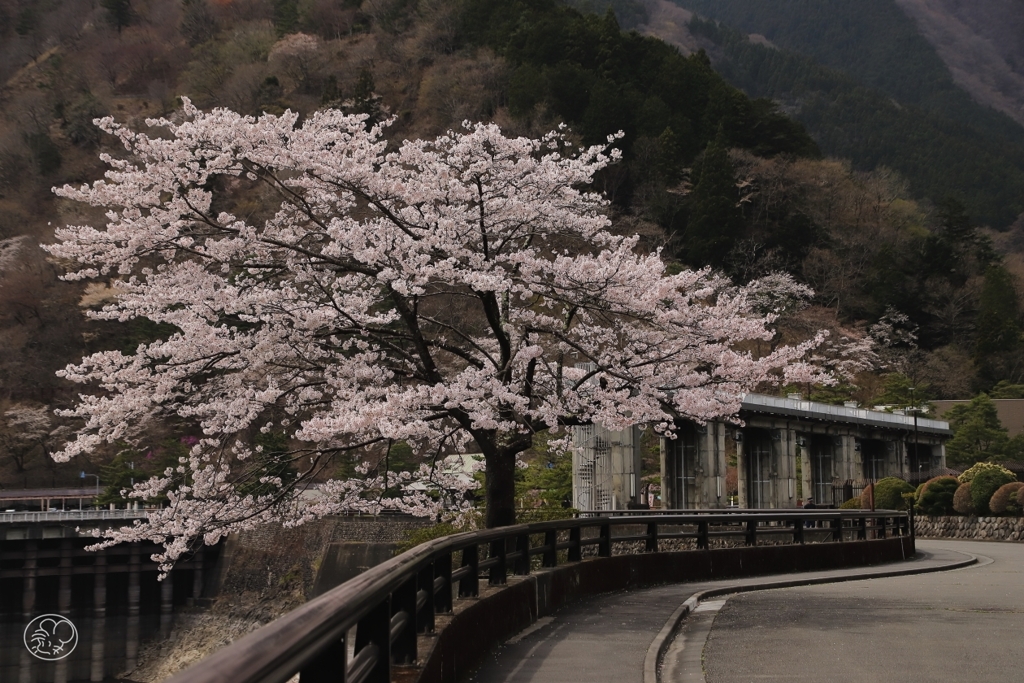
<point>605,639</point>
<point>962,625</point>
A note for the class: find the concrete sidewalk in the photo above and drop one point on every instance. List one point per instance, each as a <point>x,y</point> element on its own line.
<point>607,638</point>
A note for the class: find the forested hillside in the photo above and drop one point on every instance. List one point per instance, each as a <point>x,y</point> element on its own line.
<point>872,89</point>
<point>856,204</point>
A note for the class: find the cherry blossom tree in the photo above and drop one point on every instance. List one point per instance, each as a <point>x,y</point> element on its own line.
<point>462,293</point>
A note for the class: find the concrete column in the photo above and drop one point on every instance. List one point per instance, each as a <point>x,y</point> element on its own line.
<point>667,473</point>
<point>28,606</point>
<point>787,469</point>
<point>718,464</point>
<point>97,670</point>
<point>741,475</point>
<point>166,604</point>
<point>60,674</point>
<point>806,474</point>
<point>197,577</point>
<point>131,653</point>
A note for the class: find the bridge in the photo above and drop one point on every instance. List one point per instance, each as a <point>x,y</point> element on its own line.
<point>555,594</point>
<point>112,596</point>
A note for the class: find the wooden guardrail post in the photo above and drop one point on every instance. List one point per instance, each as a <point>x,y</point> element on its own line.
<point>522,565</point>
<point>402,626</point>
<point>443,584</point>
<point>426,598</point>
<point>550,557</point>
<point>575,544</point>
<point>652,537</point>
<point>469,585</point>
<point>604,548</point>
<point>328,667</point>
<point>372,660</point>
<point>499,571</point>
<point>703,540</point>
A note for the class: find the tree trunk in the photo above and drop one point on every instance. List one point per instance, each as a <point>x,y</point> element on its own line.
<point>501,488</point>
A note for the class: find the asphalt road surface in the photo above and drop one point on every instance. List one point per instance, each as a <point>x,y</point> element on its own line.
<point>961,626</point>
<point>605,639</point>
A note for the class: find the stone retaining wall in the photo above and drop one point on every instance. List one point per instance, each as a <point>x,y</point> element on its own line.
<point>988,528</point>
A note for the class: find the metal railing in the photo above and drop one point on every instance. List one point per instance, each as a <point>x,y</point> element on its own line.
<point>390,604</point>
<point>69,516</point>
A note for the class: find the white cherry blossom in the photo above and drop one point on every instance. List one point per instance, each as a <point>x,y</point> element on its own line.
<point>459,294</point>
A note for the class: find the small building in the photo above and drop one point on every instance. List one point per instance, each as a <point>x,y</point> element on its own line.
<point>1009,410</point>
<point>786,450</point>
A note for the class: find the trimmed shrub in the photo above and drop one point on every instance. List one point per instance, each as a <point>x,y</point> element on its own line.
<point>865,497</point>
<point>936,497</point>
<point>924,487</point>
<point>979,467</point>
<point>962,502</point>
<point>1016,504</point>
<point>852,504</point>
<point>1004,500</point>
<point>985,484</point>
<point>889,493</point>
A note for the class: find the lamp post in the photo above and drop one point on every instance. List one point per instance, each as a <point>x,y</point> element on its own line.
<point>917,450</point>
<point>84,474</point>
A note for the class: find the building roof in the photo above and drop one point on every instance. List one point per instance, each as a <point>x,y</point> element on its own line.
<point>1010,411</point>
<point>812,410</point>
<point>37,494</point>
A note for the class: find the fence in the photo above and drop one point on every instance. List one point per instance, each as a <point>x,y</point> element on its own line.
<point>69,515</point>
<point>391,604</point>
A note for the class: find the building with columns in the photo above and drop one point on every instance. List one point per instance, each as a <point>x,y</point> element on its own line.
<point>789,449</point>
<point>784,450</point>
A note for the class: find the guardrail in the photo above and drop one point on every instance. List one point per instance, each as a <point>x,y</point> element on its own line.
<point>69,516</point>
<point>390,604</point>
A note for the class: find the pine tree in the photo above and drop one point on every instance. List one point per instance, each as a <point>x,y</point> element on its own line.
<point>715,220</point>
<point>977,433</point>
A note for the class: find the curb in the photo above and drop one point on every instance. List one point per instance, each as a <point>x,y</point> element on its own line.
<point>667,633</point>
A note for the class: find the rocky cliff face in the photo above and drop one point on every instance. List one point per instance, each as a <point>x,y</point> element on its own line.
<point>982,43</point>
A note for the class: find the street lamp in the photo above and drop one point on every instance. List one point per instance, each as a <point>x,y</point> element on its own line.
<point>84,474</point>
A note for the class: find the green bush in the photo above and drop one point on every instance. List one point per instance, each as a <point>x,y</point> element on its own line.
<point>888,494</point>
<point>978,467</point>
<point>936,496</point>
<point>852,504</point>
<point>962,502</point>
<point>1004,500</point>
<point>985,484</point>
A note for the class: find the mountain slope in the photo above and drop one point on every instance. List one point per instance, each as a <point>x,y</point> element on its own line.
<point>871,88</point>
<point>982,44</point>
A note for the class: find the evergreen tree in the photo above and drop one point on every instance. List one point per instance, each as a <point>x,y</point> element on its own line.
<point>977,433</point>
<point>670,157</point>
<point>715,219</point>
<point>119,13</point>
<point>998,338</point>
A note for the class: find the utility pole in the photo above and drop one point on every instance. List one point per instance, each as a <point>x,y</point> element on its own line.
<point>917,450</point>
